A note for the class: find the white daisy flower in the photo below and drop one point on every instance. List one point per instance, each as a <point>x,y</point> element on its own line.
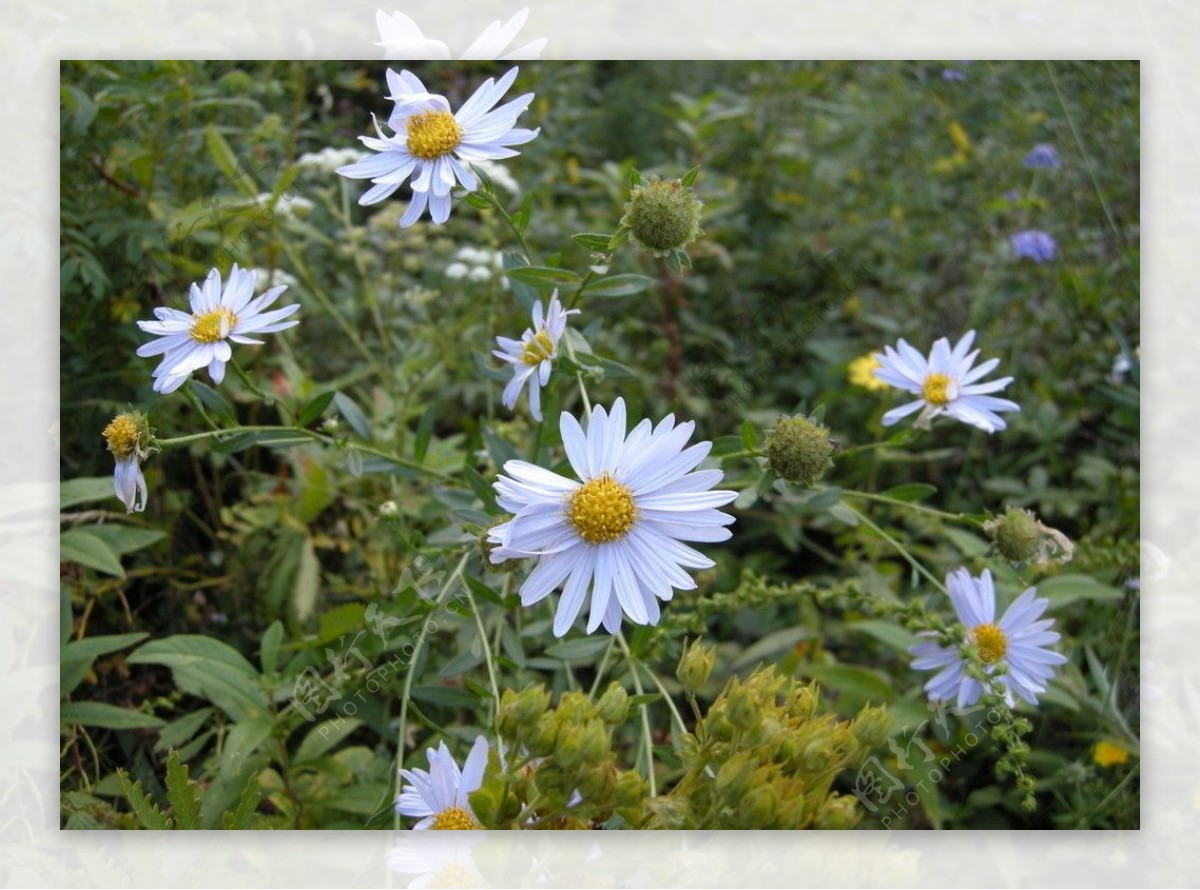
<point>402,38</point>
<point>945,383</point>
<point>618,531</point>
<point>533,355</point>
<point>436,147</point>
<point>190,341</point>
<point>439,797</point>
<point>1017,642</point>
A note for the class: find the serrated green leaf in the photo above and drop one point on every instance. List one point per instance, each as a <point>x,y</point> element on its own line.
<point>148,815</point>
<point>106,716</point>
<point>81,546</point>
<point>242,816</point>
<point>181,794</point>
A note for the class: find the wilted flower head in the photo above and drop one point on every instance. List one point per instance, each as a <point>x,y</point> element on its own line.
<point>946,384</point>
<point>436,147</point>
<point>1034,244</point>
<point>128,436</point>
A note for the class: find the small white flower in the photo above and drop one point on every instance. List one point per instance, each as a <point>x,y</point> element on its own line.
<point>436,147</point>
<point>533,355</point>
<point>618,531</point>
<point>439,798</point>
<point>945,383</point>
<point>1017,642</point>
<point>266,278</point>
<point>191,341</point>
<point>479,273</point>
<point>401,38</point>
<point>287,207</point>
<point>329,158</point>
<point>456,270</point>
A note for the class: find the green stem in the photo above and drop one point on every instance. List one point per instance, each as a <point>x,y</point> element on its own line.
<point>600,670</point>
<point>909,505</point>
<point>899,547</point>
<point>591,273</point>
<point>254,388</point>
<point>749,452</point>
<point>487,652</point>
<point>299,431</point>
<point>504,215</point>
<point>647,738</point>
<point>418,647</point>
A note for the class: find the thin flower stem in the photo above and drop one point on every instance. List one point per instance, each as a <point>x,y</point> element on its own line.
<point>603,666</point>
<point>418,648</point>
<point>909,505</point>
<point>899,547</point>
<point>510,222</point>
<point>487,651</point>
<point>666,697</point>
<point>749,452</point>
<point>647,739</point>
<point>254,388</point>
<point>299,431</point>
<point>587,405</point>
<point>591,273</point>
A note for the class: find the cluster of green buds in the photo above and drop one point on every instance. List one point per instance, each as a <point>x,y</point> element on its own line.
<point>562,772</point>
<point>764,758</point>
<point>1021,538</point>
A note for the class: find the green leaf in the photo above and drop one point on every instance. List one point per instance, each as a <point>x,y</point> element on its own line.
<point>592,241</point>
<point>314,409</point>
<point>890,635</point>
<point>81,546</point>
<point>215,403</point>
<point>181,794</point>
<point>543,277</point>
<point>208,668</point>
<point>325,736</point>
<point>178,732</point>
<point>749,435</point>
<point>95,713</point>
<point>269,651</point>
<point>226,160</point>
<point>123,539</point>
<point>856,681</point>
<point>241,440</point>
<point>968,544</point>
<point>482,490</point>
<point>647,698</point>
<point>620,236</point>
<point>772,643</point>
<point>242,816</point>
<point>1064,589</point>
<point>478,201</point>
<point>78,656</point>
<point>445,697</point>
<point>308,582</point>
<point>242,741</point>
<point>911,491</point>
<point>148,815</point>
<point>576,650</point>
<point>424,432</point>
<point>689,178</point>
<point>624,285</point>
<point>462,662</point>
<point>85,490</point>
<point>482,591</point>
<point>354,415</point>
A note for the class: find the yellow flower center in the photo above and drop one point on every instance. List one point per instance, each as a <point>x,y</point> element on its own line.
<point>601,510</point>
<point>537,350</point>
<point>936,389</point>
<point>455,875</point>
<point>990,643</point>
<point>432,134</point>
<point>213,326</point>
<point>455,819</point>
<point>122,436</point>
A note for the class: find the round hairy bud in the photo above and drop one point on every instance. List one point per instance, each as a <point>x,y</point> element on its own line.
<point>799,450</point>
<point>662,215</point>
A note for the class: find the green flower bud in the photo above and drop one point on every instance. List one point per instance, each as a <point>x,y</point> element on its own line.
<point>871,727</point>
<point>596,742</point>
<point>839,812</point>
<point>799,450</point>
<point>734,774</point>
<point>630,790</point>
<point>662,215</point>
<point>695,666</point>
<point>613,706</point>
<point>569,750</point>
<point>743,709</point>
<point>760,804</point>
<point>545,736</point>
<point>1017,534</point>
<point>597,782</point>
